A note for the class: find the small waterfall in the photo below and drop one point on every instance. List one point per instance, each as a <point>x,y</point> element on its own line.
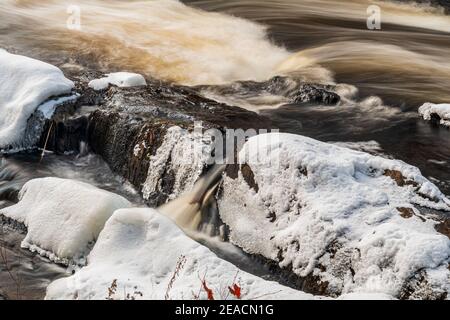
<point>187,209</point>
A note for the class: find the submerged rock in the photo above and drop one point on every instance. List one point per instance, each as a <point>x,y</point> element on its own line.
<point>276,91</point>
<point>315,94</point>
<point>339,221</point>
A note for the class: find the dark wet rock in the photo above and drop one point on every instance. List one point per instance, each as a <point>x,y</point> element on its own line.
<point>66,134</point>
<point>314,94</point>
<point>435,119</point>
<point>232,171</point>
<point>399,179</point>
<point>396,176</point>
<point>127,126</point>
<point>11,223</point>
<point>444,227</point>
<point>444,4</point>
<point>249,177</point>
<point>406,212</point>
<point>292,90</point>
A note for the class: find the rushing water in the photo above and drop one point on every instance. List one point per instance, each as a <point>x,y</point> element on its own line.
<point>23,274</point>
<point>387,73</point>
<point>26,275</point>
<point>405,64</point>
<point>217,41</point>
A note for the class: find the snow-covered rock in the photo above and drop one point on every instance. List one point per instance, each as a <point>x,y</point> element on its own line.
<point>120,79</point>
<point>137,254</point>
<point>25,84</point>
<point>348,221</point>
<point>182,157</point>
<point>442,111</point>
<point>63,217</point>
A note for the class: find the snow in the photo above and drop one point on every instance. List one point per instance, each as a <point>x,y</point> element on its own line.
<point>332,212</point>
<point>371,147</point>
<point>441,110</point>
<point>120,79</point>
<point>63,216</point>
<point>140,249</point>
<point>184,153</point>
<point>25,84</point>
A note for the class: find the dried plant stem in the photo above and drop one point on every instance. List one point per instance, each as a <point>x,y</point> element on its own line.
<point>46,141</point>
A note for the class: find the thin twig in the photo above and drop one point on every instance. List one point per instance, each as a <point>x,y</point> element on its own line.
<point>46,141</point>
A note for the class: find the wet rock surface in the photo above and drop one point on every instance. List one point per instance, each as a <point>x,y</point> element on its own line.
<point>127,126</point>
<point>293,91</point>
<point>316,94</point>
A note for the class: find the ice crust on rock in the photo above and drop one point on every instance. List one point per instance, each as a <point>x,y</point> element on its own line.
<point>428,110</point>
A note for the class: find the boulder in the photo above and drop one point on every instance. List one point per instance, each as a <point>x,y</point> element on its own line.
<point>338,221</point>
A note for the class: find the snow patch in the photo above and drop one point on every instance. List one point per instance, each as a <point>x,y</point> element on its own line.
<point>120,79</point>
<point>25,84</point>
<point>63,217</point>
<point>335,213</point>
<point>140,250</point>
<point>427,110</point>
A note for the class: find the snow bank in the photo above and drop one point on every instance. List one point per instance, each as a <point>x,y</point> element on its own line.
<point>25,83</point>
<point>352,221</point>
<point>427,110</point>
<point>139,250</point>
<point>63,216</point>
<point>120,79</point>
